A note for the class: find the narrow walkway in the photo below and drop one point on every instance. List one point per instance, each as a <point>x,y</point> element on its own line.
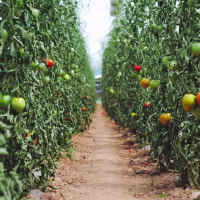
<point>103,169</point>
<point>106,166</point>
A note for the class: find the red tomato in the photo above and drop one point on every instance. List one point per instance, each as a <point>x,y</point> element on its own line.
<point>83,109</point>
<point>146,163</point>
<point>50,63</point>
<point>198,98</point>
<point>147,105</point>
<point>129,150</point>
<point>58,93</point>
<point>137,68</point>
<point>86,96</point>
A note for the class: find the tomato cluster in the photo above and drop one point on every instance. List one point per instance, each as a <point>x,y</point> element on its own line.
<point>50,63</point>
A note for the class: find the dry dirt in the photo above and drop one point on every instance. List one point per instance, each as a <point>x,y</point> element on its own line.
<point>103,169</point>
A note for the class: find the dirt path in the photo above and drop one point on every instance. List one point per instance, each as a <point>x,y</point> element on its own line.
<point>103,169</point>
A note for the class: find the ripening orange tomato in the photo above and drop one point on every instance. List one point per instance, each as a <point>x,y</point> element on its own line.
<point>145,83</point>
<point>165,118</point>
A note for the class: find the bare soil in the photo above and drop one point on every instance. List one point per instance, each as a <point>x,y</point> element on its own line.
<point>104,169</point>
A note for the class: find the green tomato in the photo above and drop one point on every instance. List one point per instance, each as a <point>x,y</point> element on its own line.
<point>196,112</point>
<point>172,65</point>
<point>33,66</point>
<point>57,72</point>
<point>154,84</point>
<point>133,75</point>
<point>112,91</point>
<point>159,28</point>
<point>119,74</point>
<point>18,104</point>
<point>4,101</point>
<point>195,48</point>
<point>125,40</point>
<point>73,66</point>
<point>145,49</point>
<point>141,73</point>
<point>21,51</point>
<point>55,113</point>
<point>152,26</point>
<point>76,68</point>
<point>42,67</point>
<point>140,78</point>
<point>4,35</point>
<point>45,80</point>
<point>35,12</point>
<point>141,39</point>
<point>62,72</point>
<point>66,77</point>
<point>165,60</point>
<point>183,53</point>
<point>59,77</point>
<point>72,72</point>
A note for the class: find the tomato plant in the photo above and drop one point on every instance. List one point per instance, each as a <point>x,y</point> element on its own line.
<point>32,31</point>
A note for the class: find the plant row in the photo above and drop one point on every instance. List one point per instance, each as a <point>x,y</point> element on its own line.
<point>47,90</point>
<point>151,79</point>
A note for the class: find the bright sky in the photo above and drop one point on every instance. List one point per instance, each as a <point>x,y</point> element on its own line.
<point>97,20</point>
